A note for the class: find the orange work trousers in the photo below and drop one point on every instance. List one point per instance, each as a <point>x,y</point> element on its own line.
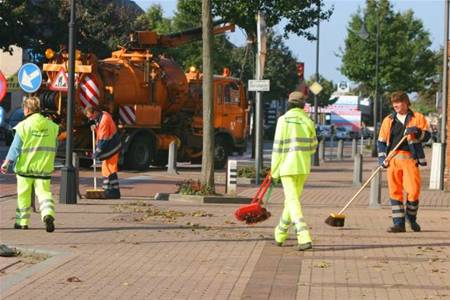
<point>403,176</point>
<point>110,165</point>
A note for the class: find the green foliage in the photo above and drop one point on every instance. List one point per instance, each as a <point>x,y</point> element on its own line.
<point>195,187</point>
<point>323,99</point>
<point>298,15</point>
<point>153,19</point>
<point>281,68</point>
<point>37,25</point>
<point>249,172</point>
<point>405,60</point>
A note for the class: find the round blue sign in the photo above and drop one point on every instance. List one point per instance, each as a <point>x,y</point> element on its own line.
<point>30,78</point>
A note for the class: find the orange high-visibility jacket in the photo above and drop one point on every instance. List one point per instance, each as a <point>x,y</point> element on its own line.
<point>413,119</point>
<point>108,138</point>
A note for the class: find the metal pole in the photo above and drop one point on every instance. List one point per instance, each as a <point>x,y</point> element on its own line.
<point>259,111</point>
<point>444,96</point>
<point>316,113</point>
<point>68,188</point>
<point>375,121</point>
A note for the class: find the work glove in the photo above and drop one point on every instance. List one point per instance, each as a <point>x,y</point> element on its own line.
<point>413,130</point>
<point>381,161</point>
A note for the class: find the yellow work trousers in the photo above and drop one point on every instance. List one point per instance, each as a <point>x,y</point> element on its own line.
<point>42,190</point>
<point>292,212</point>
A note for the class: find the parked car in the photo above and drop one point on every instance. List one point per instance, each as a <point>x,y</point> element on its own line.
<point>324,131</point>
<point>16,117</point>
<point>343,133</point>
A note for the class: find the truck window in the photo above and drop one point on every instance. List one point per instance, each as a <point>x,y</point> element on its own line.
<point>196,90</point>
<point>219,93</point>
<point>231,93</point>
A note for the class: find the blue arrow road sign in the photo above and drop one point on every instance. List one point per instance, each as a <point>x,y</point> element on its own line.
<point>30,78</point>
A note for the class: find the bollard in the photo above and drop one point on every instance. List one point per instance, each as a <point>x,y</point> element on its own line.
<point>322,150</point>
<point>375,191</point>
<point>76,165</point>
<point>231,184</point>
<point>354,148</point>
<point>340,150</point>
<point>172,163</point>
<point>331,147</point>
<point>357,169</point>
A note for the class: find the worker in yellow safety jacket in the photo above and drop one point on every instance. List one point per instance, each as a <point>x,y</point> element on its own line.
<point>33,150</point>
<point>294,142</point>
<point>107,149</point>
<point>403,169</point>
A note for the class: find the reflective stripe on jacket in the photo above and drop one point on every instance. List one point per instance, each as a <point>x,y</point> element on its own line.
<point>108,138</point>
<point>39,144</point>
<point>413,119</point>
<point>294,143</point>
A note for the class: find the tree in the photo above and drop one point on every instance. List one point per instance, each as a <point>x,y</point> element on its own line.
<point>299,15</point>
<point>281,68</point>
<point>154,19</point>
<point>38,24</point>
<point>208,105</point>
<point>187,16</point>
<point>426,100</point>
<point>324,97</point>
<point>406,62</point>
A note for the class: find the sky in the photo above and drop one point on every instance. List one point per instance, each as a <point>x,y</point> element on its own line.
<point>333,31</point>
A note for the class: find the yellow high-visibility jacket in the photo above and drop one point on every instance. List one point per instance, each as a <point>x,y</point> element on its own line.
<point>294,143</point>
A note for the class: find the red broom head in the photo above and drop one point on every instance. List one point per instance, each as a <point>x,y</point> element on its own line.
<point>252,213</point>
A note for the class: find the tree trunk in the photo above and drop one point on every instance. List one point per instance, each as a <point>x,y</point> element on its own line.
<point>208,104</point>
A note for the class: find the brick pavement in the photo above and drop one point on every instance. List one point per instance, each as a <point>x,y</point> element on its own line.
<point>128,249</point>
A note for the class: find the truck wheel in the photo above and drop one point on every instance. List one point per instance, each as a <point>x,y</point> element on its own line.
<point>138,155</point>
<point>221,152</point>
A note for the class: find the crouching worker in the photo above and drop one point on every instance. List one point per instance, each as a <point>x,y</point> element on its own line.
<point>294,143</point>
<point>107,149</point>
<point>33,150</point>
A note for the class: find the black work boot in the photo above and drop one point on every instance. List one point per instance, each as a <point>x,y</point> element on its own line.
<point>411,214</point>
<point>398,216</point>
<point>49,223</point>
<point>396,229</point>
<point>415,226</point>
<point>17,226</point>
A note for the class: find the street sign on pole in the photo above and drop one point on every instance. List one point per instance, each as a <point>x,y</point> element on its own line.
<point>316,88</point>
<point>259,85</point>
<point>60,83</point>
<point>30,78</point>
<point>3,86</point>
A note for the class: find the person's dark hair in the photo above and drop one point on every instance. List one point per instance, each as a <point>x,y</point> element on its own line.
<point>400,96</point>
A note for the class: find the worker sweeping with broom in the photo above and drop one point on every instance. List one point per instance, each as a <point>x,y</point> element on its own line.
<point>107,149</point>
<point>294,143</point>
<point>403,169</point>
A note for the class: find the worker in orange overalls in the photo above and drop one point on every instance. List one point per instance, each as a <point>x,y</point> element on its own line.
<point>403,169</point>
<point>107,149</point>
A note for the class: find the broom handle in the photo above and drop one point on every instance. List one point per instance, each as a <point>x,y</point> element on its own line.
<point>95,162</point>
<point>262,189</point>
<point>388,158</point>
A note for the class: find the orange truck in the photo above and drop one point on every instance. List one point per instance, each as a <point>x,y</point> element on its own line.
<point>153,101</point>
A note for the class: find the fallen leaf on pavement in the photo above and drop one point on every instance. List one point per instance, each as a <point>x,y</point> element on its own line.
<point>323,265</point>
<point>73,279</point>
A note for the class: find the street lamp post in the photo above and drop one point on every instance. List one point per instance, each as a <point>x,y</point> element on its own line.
<point>364,35</point>
<point>316,113</point>
<point>68,188</point>
<point>377,64</point>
